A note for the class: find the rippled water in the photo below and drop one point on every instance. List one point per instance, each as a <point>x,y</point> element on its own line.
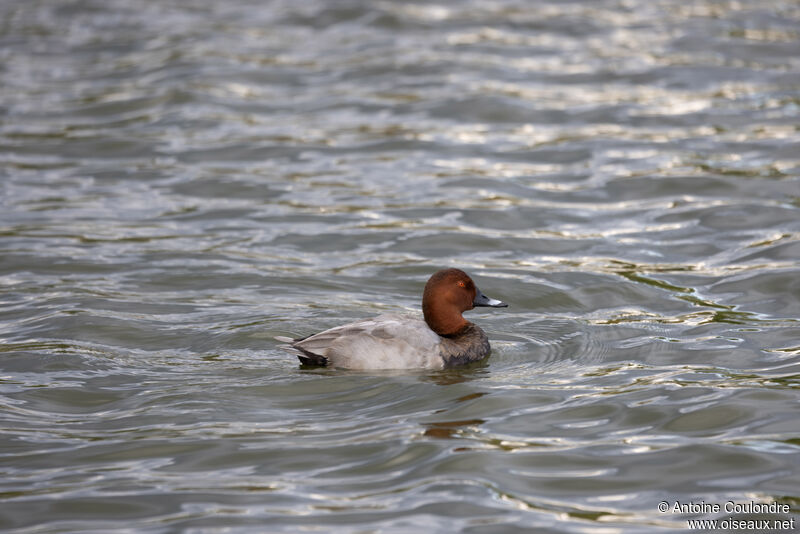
<point>181,181</point>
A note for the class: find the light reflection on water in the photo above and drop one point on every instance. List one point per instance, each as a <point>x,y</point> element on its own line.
<point>181,183</point>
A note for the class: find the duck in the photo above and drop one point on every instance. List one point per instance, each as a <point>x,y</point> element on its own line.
<point>442,338</point>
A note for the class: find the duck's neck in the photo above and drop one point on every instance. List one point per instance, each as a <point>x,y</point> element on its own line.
<point>445,322</point>
<point>464,330</point>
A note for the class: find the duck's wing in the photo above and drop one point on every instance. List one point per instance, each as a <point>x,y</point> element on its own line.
<point>314,349</point>
<point>385,342</point>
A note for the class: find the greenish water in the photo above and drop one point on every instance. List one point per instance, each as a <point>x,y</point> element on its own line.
<point>182,181</point>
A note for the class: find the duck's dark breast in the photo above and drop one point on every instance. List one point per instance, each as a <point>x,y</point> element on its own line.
<point>470,345</point>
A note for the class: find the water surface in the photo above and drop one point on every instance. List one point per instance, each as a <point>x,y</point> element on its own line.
<point>180,182</point>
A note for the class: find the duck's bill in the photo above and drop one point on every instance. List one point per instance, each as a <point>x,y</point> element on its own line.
<point>483,300</point>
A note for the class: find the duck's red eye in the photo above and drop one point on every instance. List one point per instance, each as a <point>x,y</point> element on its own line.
<point>462,284</point>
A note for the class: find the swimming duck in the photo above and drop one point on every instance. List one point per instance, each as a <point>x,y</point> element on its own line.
<point>443,339</point>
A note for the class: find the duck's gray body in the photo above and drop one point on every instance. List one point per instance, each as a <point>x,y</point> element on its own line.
<point>390,342</point>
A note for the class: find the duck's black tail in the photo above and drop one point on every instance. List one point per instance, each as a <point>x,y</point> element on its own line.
<point>305,357</point>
